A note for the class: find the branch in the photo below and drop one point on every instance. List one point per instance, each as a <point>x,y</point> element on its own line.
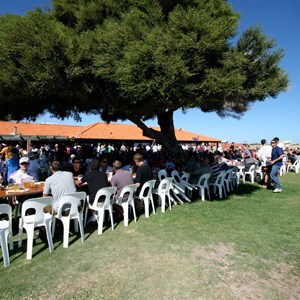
<point>148,132</point>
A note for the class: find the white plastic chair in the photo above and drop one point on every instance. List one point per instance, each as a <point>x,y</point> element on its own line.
<point>126,199</point>
<point>163,191</point>
<point>181,186</point>
<point>101,207</point>
<point>39,218</point>
<point>203,186</point>
<point>228,180</point>
<point>70,202</point>
<point>234,177</point>
<point>219,184</point>
<point>251,173</point>
<point>259,173</point>
<point>6,233</point>
<point>282,170</point>
<point>294,167</point>
<point>146,196</point>
<point>162,174</point>
<point>241,173</point>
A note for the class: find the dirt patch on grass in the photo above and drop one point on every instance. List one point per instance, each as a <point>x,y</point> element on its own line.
<point>246,277</point>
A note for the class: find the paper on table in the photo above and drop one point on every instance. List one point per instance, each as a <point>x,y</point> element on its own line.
<point>17,191</point>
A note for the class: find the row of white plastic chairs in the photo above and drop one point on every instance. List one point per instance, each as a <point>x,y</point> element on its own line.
<point>77,205</point>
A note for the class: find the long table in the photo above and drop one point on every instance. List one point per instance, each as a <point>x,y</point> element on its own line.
<point>37,189</point>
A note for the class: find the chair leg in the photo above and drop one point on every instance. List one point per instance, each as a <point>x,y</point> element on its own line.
<point>133,208</point>
<point>48,222</point>
<point>125,210</point>
<point>53,226</point>
<point>163,202</point>
<point>146,204</point>
<point>170,204</point>
<point>30,232</point>
<point>152,203</point>
<point>80,222</point>
<point>4,247</point>
<point>85,215</point>
<point>20,241</point>
<point>66,224</point>
<point>111,218</point>
<point>100,220</point>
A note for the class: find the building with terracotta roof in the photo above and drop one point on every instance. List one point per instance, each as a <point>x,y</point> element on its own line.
<point>96,132</point>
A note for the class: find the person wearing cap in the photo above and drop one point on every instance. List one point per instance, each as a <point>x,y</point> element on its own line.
<point>23,174</point>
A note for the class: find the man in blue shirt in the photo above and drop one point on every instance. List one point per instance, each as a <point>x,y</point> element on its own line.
<point>276,162</point>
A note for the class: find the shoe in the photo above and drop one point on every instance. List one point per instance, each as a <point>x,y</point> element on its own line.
<point>277,190</point>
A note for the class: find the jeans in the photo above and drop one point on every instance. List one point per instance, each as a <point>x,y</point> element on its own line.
<point>274,176</point>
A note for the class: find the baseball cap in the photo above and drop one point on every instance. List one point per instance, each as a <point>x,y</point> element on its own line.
<point>24,160</point>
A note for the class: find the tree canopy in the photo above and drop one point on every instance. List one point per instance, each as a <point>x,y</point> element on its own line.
<point>134,60</point>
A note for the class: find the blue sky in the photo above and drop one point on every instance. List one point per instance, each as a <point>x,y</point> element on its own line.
<point>273,117</point>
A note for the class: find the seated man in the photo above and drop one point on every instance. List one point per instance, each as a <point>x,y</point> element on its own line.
<point>76,168</point>
<point>58,184</point>
<point>96,180</point>
<point>23,174</point>
<point>120,179</point>
<point>143,172</point>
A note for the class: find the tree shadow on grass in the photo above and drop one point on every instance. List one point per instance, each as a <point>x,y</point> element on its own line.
<point>245,189</point>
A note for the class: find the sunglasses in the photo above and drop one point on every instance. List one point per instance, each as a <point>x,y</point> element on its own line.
<point>24,163</point>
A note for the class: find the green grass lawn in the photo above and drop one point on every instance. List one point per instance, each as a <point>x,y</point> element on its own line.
<point>244,247</point>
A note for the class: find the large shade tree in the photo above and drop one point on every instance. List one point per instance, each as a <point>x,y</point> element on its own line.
<point>134,60</point>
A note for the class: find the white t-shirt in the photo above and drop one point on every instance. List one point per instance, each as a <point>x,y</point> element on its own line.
<point>264,154</point>
<point>20,176</point>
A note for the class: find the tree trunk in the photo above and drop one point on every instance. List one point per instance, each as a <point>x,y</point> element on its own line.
<point>166,136</point>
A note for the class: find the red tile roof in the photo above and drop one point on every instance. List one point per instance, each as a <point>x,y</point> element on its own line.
<point>99,130</point>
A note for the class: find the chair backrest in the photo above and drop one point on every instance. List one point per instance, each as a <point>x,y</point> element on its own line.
<point>164,185</point>
<point>38,205</point>
<point>147,189</point>
<point>251,169</point>
<point>162,174</point>
<point>204,179</point>
<point>221,177</point>
<point>185,177</point>
<point>176,177</point>
<point>5,209</point>
<point>108,193</point>
<point>71,202</point>
<point>228,174</point>
<point>82,197</point>
<point>127,193</point>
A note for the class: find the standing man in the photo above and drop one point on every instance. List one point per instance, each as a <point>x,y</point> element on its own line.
<point>276,162</point>
<point>247,155</point>
<point>264,155</point>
